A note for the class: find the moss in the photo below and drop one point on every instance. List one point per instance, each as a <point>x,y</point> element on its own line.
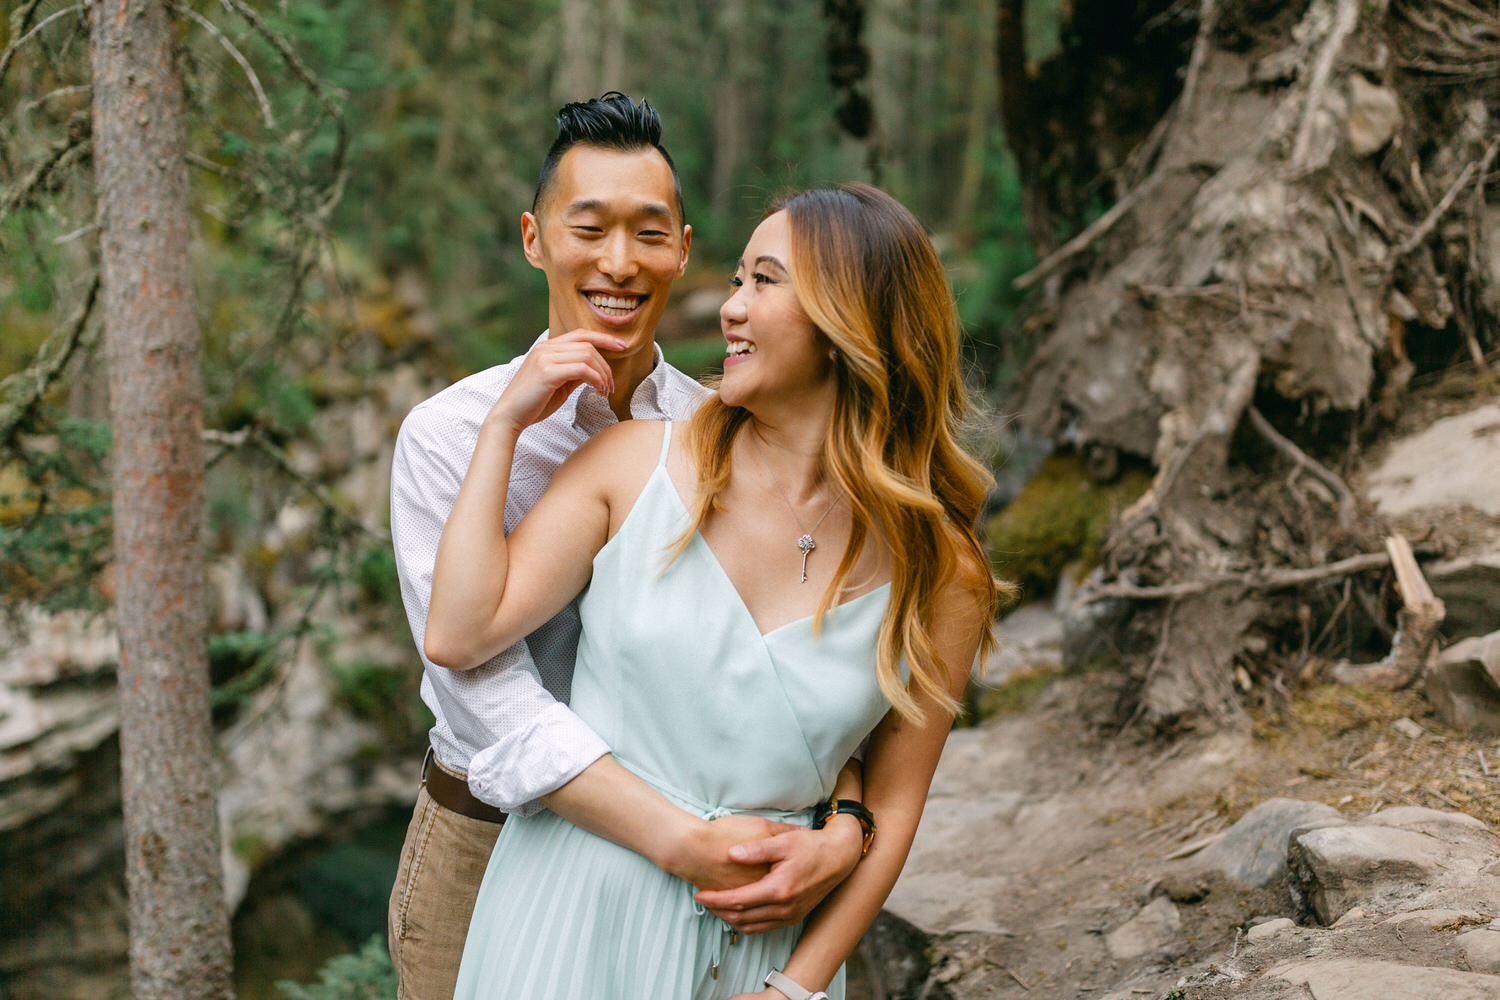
<point>1018,691</point>
<point>1061,517</point>
<point>251,847</point>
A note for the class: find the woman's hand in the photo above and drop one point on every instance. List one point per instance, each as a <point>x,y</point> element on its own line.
<point>805,866</point>
<point>765,994</point>
<point>550,373</point>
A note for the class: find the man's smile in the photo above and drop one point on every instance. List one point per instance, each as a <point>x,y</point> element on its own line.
<point>614,305</point>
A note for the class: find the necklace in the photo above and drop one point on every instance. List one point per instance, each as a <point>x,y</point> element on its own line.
<point>805,544</point>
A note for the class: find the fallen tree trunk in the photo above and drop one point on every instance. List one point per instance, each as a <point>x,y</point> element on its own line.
<point>1300,231</point>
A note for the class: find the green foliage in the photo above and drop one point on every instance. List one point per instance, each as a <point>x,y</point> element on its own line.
<point>55,516</point>
<point>375,573</point>
<point>240,663</point>
<point>386,695</point>
<point>1059,518</point>
<point>364,975</point>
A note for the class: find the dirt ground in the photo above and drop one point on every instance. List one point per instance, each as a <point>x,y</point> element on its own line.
<point>1088,826</point>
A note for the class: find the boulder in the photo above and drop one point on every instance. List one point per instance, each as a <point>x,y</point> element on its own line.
<point>1463,685</point>
<point>1435,822</point>
<point>1270,928</point>
<point>1452,463</point>
<point>1334,868</point>
<point>1481,949</point>
<point>1469,588</point>
<point>1253,850</point>
<point>1157,928</point>
<point>1367,979</point>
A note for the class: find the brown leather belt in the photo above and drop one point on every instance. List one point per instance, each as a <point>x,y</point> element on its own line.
<point>452,792</point>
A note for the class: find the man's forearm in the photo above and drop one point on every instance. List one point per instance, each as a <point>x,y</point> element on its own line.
<point>609,801</point>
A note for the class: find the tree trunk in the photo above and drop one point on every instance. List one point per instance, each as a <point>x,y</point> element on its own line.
<point>179,925</point>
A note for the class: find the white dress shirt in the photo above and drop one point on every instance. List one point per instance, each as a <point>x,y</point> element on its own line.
<point>505,723</point>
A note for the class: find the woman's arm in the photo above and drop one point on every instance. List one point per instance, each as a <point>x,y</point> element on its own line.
<point>478,606</point>
<point>898,770</point>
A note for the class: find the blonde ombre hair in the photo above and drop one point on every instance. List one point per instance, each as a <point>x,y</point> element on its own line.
<point>868,277</point>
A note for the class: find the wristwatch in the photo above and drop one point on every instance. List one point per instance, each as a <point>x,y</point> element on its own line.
<point>778,980</point>
<point>829,808</point>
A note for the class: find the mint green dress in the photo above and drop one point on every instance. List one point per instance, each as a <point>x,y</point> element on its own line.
<point>673,673</point>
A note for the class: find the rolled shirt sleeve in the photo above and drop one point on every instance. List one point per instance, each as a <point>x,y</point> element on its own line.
<point>535,743</point>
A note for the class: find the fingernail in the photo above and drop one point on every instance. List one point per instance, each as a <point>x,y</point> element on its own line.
<point>620,345</point>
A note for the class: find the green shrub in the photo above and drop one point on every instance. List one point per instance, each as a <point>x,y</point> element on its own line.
<point>364,975</point>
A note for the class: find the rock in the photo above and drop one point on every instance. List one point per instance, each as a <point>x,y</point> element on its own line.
<point>1481,949</point>
<point>1431,919</point>
<point>1451,463</point>
<point>1408,728</point>
<point>1030,639</point>
<point>1334,868</point>
<point>1367,979</point>
<point>1350,918</point>
<point>1269,929</point>
<point>1373,114</point>
<point>1424,820</point>
<point>1469,588</point>
<point>1156,928</point>
<point>1463,685</point>
<point>1253,850</point>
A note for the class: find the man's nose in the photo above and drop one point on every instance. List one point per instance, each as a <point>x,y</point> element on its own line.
<point>617,259</point>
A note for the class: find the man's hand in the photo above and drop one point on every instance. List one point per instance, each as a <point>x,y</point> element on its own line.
<point>550,373</point>
<point>805,866</point>
<point>706,860</point>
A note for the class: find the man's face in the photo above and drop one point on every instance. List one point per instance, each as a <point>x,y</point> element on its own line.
<point>608,237</point>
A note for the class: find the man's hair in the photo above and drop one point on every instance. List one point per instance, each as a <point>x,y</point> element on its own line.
<point>609,122</point>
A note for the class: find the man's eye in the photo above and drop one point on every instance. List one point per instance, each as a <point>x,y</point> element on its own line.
<point>587,230</point>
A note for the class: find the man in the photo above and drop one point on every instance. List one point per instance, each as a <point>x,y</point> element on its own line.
<point>608,231</point>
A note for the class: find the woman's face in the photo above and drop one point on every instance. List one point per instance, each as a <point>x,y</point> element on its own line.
<point>773,351</point>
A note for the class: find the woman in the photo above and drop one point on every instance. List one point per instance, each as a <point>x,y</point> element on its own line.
<point>793,571</point>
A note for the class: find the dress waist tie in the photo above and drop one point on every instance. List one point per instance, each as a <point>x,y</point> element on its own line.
<point>727,935</point>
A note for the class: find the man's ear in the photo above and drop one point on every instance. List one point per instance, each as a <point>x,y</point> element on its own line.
<point>531,239</point>
<point>687,244</point>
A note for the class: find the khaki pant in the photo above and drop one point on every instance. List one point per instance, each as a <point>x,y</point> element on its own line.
<point>442,863</point>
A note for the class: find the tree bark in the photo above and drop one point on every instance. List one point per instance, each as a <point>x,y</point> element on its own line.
<point>179,925</point>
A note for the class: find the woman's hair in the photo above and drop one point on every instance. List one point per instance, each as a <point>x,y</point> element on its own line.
<point>868,277</point>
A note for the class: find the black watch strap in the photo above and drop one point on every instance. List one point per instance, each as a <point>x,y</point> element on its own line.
<point>829,808</point>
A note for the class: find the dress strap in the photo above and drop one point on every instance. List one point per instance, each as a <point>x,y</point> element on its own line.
<point>666,439</point>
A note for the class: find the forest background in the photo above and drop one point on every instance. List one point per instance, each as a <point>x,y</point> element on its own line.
<point>1211,255</point>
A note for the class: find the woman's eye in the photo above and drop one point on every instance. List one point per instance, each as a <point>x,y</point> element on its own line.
<point>736,281</point>
<point>763,279</point>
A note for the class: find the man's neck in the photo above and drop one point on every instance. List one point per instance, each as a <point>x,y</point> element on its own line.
<point>629,374</point>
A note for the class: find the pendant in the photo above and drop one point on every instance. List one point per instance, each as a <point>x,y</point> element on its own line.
<point>805,544</point>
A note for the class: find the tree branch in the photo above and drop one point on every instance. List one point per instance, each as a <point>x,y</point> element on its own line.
<point>1320,472</point>
<point>21,392</point>
<point>1426,226</point>
<point>250,437</point>
<point>321,90</point>
<point>61,155</point>
<point>1096,229</point>
<point>237,56</point>
<point>24,15</point>
<point>1345,19</point>
<point>1264,580</point>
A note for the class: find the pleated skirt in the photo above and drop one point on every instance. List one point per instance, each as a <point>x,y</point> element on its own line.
<point>565,915</point>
